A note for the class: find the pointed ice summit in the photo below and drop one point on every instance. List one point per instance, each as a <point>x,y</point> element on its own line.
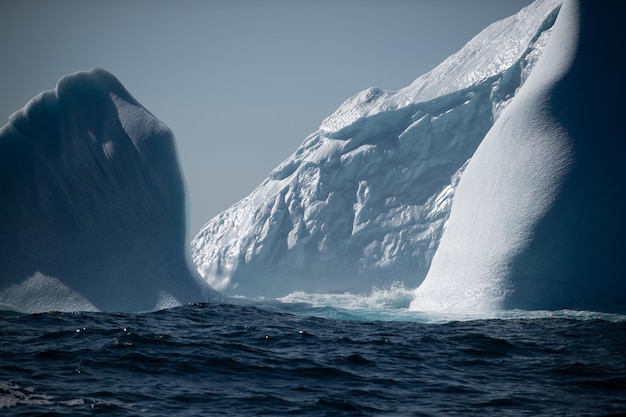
<point>364,200</point>
<point>92,205</point>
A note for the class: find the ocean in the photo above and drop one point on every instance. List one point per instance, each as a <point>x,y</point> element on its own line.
<point>294,357</point>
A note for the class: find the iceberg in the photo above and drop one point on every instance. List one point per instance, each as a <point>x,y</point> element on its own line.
<point>362,203</point>
<point>537,219</point>
<point>92,204</point>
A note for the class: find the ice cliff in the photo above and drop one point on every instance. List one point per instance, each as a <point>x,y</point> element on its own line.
<point>92,207</point>
<point>537,219</point>
<point>364,200</point>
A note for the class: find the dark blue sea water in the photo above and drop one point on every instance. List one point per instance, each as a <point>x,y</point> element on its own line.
<point>279,359</point>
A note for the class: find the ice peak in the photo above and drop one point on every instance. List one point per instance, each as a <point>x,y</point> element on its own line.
<point>491,52</point>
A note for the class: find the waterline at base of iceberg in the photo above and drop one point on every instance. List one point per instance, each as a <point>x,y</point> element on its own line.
<point>392,304</point>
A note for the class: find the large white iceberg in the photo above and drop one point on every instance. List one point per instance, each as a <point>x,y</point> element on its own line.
<point>92,205</point>
<point>363,201</point>
<point>537,219</point>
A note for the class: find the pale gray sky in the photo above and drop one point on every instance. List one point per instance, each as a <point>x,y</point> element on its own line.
<point>242,82</point>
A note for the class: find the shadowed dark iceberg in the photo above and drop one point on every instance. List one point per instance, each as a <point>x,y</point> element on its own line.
<point>92,205</point>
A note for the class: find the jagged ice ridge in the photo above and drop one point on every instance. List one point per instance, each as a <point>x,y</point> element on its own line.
<point>363,202</point>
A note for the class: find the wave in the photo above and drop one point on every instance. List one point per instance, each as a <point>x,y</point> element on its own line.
<point>392,304</point>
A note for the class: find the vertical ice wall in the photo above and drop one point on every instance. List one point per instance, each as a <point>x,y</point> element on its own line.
<point>537,220</point>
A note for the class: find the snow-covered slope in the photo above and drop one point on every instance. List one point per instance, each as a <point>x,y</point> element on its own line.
<point>91,204</point>
<point>537,219</point>
<point>363,201</point>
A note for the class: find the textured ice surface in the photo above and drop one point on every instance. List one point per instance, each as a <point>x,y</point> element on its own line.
<point>537,220</point>
<point>92,210</point>
<point>363,201</point>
